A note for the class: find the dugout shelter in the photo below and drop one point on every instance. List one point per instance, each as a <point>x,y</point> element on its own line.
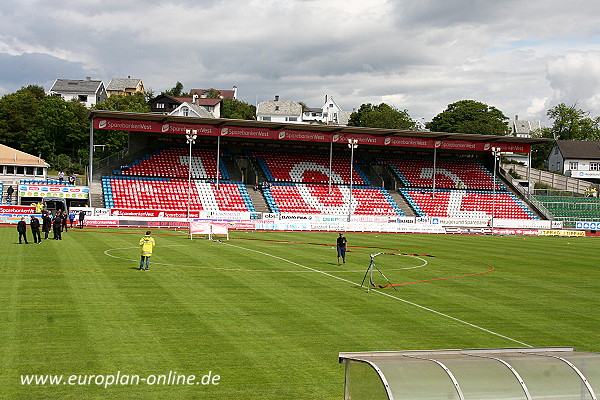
<point>494,374</point>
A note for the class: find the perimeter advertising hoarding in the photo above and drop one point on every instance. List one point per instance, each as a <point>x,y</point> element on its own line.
<point>305,135</point>
<point>17,210</point>
<point>547,232</point>
<point>213,215</point>
<point>527,224</point>
<point>13,214</point>
<point>67,192</point>
<point>124,212</point>
<point>594,225</point>
<point>517,232</point>
<point>299,225</point>
<point>460,222</point>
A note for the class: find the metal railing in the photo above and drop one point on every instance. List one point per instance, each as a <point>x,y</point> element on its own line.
<point>554,180</point>
<point>113,158</point>
<point>526,194</point>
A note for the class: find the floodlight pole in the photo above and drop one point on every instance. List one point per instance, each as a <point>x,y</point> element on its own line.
<point>352,143</point>
<point>190,135</point>
<point>330,161</point>
<point>218,158</point>
<point>529,175</point>
<point>90,161</point>
<point>495,152</point>
<point>434,168</point>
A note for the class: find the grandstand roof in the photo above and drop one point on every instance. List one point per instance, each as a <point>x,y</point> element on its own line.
<point>221,122</point>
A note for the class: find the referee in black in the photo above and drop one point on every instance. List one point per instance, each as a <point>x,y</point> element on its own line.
<point>341,248</point>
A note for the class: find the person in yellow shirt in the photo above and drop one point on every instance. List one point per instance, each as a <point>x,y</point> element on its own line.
<point>147,243</point>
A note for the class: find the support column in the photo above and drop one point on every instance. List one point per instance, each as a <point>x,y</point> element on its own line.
<point>91,162</point>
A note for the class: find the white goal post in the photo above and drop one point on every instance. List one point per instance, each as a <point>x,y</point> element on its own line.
<point>209,228</point>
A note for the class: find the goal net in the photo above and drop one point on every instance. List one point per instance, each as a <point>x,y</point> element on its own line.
<point>210,229</point>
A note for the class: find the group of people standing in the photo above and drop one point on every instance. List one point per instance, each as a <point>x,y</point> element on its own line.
<point>70,178</point>
<point>58,223</point>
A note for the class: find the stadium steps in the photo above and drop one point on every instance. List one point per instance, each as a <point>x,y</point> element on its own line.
<point>406,209</point>
<point>234,173</point>
<point>376,179</point>
<point>260,175</point>
<point>96,195</point>
<point>258,199</point>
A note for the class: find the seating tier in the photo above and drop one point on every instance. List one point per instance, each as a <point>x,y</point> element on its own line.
<point>466,204</point>
<point>450,174</point>
<point>316,199</point>
<point>173,163</point>
<point>308,168</point>
<point>172,194</point>
<point>573,208</point>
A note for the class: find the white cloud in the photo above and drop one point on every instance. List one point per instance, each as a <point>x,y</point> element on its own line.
<point>575,79</point>
<point>522,57</point>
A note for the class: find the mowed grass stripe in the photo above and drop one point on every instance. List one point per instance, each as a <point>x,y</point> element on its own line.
<point>406,302</point>
<point>277,334</point>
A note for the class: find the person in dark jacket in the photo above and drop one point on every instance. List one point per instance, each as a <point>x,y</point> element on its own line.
<point>46,223</point>
<point>34,223</point>
<point>9,193</point>
<point>56,225</point>
<point>81,218</point>
<point>63,221</point>
<point>22,229</point>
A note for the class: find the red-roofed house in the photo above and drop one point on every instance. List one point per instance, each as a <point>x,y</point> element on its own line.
<point>224,94</point>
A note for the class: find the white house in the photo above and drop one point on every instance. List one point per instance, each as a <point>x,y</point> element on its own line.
<point>577,159</point>
<point>186,109</point>
<point>279,111</point>
<point>87,91</point>
<point>521,128</point>
<point>330,113</point>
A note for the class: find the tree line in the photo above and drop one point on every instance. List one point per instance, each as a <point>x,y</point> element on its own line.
<point>58,130</point>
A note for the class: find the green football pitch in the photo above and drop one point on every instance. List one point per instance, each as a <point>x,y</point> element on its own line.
<point>265,314</point>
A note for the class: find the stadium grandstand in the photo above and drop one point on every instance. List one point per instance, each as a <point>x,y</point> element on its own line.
<point>263,167</point>
<point>571,209</point>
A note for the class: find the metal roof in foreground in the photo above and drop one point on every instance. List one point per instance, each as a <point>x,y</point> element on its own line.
<point>326,129</point>
<point>515,373</point>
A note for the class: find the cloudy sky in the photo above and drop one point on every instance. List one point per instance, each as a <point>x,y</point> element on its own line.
<point>421,55</point>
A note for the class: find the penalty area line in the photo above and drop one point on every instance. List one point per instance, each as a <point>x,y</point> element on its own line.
<point>384,294</point>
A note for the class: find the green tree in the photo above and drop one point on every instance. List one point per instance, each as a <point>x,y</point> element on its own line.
<point>149,96</point>
<point>17,113</point>
<point>470,116</point>
<point>381,116</point>
<point>117,140</point>
<point>58,127</point>
<point>213,94</point>
<point>175,91</point>
<point>571,123</point>
<point>235,109</point>
<point>125,102</point>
